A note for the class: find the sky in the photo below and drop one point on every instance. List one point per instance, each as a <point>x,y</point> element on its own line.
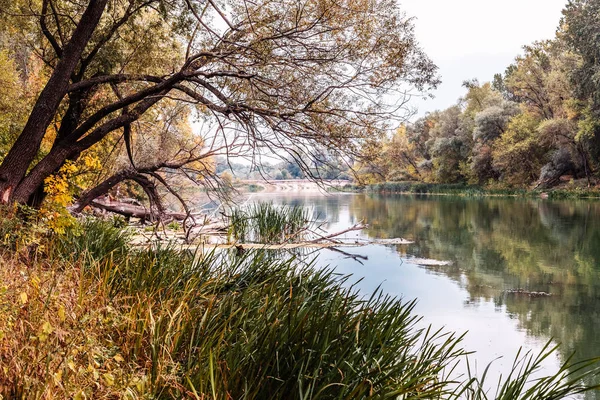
<point>470,39</point>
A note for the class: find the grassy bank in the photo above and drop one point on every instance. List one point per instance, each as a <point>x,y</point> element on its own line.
<point>460,189</point>
<point>85,316</point>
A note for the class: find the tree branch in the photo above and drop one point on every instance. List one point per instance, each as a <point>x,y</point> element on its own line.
<point>53,42</point>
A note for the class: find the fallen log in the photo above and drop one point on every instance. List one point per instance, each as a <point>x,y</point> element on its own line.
<point>425,262</point>
<point>133,211</point>
<point>248,246</point>
<point>524,292</point>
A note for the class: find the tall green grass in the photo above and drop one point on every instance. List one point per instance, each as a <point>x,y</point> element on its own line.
<point>223,326</point>
<point>252,328</point>
<point>268,223</point>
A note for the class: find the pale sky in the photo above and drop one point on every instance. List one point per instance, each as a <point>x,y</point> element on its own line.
<point>477,38</point>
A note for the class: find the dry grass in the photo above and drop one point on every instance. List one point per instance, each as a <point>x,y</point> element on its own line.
<point>57,330</point>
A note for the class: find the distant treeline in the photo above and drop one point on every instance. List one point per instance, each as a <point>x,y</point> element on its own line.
<point>331,168</point>
<point>537,125</point>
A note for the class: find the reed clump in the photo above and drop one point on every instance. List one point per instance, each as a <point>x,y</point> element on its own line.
<point>269,223</point>
<point>92,318</point>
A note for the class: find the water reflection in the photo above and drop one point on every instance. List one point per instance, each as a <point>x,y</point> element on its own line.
<point>496,245</point>
<point>506,244</point>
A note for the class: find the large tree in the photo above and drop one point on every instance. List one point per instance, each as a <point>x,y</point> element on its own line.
<point>284,75</point>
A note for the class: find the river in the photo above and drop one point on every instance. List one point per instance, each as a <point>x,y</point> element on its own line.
<point>497,246</point>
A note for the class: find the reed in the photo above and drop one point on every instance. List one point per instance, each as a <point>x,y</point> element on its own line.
<point>268,223</point>
<point>97,319</point>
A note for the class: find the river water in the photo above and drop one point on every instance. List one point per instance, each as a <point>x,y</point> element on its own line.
<point>497,246</point>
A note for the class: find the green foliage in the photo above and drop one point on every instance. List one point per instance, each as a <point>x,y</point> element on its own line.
<point>460,189</point>
<point>254,188</point>
<point>21,229</point>
<point>517,154</point>
<point>174,225</point>
<point>11,102</point>
<point>580,30</point>
<point>93,239</point>
<point>267,223</point>
<point>587,127</point>
<point>536,126</point>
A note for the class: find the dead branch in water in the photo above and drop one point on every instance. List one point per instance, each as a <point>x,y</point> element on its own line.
<point>357,227</point>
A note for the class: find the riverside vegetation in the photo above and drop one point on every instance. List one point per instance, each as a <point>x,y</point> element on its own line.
<point>536,125</point>
<point>98,100</point>
<point>85,315</point>
<point>462,189</point>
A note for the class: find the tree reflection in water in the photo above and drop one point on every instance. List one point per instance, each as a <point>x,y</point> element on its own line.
<point>507,244</point>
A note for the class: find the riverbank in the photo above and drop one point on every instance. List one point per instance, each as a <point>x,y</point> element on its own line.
<point>470,190</point>
<point>288,185</point>
<point>85,315</point>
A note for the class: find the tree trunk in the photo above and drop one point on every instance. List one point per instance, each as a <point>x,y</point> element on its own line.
<point>71,149</point>
<point>585,162</point>
<point>68,124</point>
<point>23,152</point>
<point>156,206</point>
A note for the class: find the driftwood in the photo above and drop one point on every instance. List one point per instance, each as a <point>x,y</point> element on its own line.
<point>357,227</point>
<point>131,210</point>
<point>392,241</point>
<point>527,293</point>
<point>425,262</point>
<point>330,241</point>
<point>283,246</point>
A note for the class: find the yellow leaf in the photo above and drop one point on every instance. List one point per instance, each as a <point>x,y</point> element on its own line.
<point>23,297</point>
<point>47,328</point>
<point>35,281</point>
<point>61,313</point>
<point>71,365</point>
<point>45,331</point>
<point>93,371</point>
<point>109,379</point>
<point>118,358</point>
<point>80,396</point>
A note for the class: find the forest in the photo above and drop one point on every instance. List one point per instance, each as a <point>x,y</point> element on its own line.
<point>536,125</point>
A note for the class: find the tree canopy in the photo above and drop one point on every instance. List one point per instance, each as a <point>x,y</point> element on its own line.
<point>122,83</point>
<point>535,125</point>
